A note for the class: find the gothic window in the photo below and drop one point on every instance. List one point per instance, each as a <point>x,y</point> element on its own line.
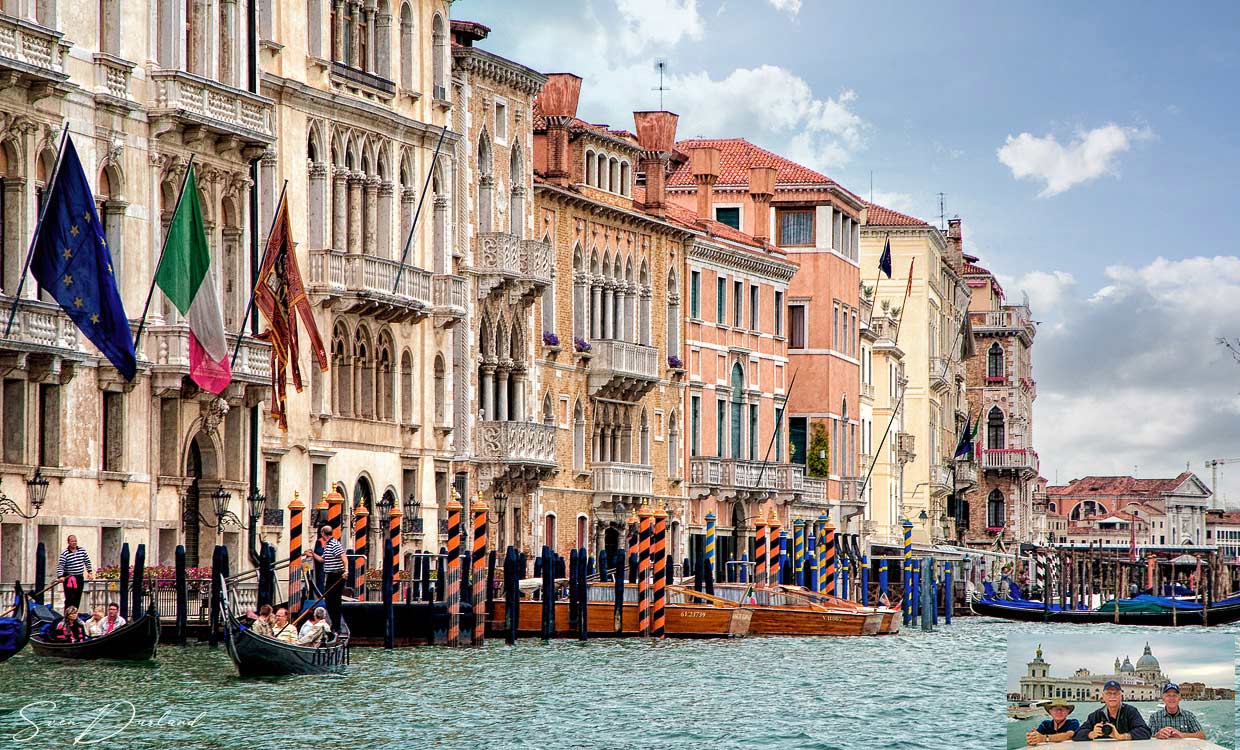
<point>673,445</point>
<point>486,180</point>
<point>112,216</point>
<point>581,292</point>
<point>406,47</point>
<point>548,411</point>
<point>439,47</point>
<point>614,174</point>
<point>995,434</point>
<point>363,374</point>
<point>644,440</point>
<point>994,361</point>
<point>996,516</point>
<point>673,314</point>
<point>645,298</point>
<point>626,178</point>
<point>604,173</point>
<point>113,431</point>
<point>441,392</point>
<point>440,227</point>
<point>738,397</point>
<point>516,195</point>
<point>385,391</point>
<point>579,438</point>
<point>547,301</point>
<point>406,388</point>
<point>11,202</point>
<point>591,169</point>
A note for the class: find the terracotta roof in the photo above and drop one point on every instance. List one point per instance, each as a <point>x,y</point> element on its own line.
<point>737,156</point>
<point>885,217</point>
<point>689,219</point>
<point>971,269</point>
<point>1110,486</point>
<point>540,123</point>
<point>1227,517</point>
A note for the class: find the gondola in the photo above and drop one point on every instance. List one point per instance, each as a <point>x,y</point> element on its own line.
<point>14,632</point>
<point>1025,610</point>
<point>134,641</point>
<point>259,656</point>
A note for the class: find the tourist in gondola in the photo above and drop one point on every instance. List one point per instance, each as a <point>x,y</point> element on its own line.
<point>70,628</point>
<point>282,629</point>
<point>94,626</point>
<point>1116,720</point>
<point>315,628</point>
<point>334,565</point>
<point>114,619</point>
<point>1172,721</point>
<point>262,620</point>
<point>1058,728</point>
<point>72,570</point>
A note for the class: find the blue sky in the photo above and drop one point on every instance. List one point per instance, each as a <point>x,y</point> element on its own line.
<point>1090,149</point>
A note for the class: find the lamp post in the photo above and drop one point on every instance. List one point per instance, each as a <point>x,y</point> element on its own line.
<point>413,516</point>
<point>501,507</point>
<point>36,495</point>
<point>256,501</point>
<point>385,513</point>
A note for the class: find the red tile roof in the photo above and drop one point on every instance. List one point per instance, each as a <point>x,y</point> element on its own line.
<point>882,216</point>
<point>688,218</point>
<point>1227,517</point>
<point>1111,486</point>
<point>540,123</point>
<point>972,269</point>
<point>737,156</point>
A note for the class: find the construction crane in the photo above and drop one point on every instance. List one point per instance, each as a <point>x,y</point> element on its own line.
<point>1213,464</point>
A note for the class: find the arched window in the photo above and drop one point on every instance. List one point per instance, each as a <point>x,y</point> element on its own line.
<point>385,393</point>
<point>364,374</point>
<point>406,47</point>
<point>604,173</point>
<point>111,215</point>
<point>673,314</point>
<point>441,392</point>
<point>1087,509</point>
<point>486,182</point>
<point>406,388</point>
<point>995,435</point>
<point>591,169</point>
<point>549,530</point>
<point>579,437</point>
<point>516,196</point>
<point>996,515</point>
<point>644,440</point>
<point>614,176</point>
<point>645,296</point>
<point>11,210</point>
<point>581,292</point>
<point>673,446</point>
<point>626,179</point>
<point>548,411</point>
<point>994,361</point>
<point>342,372</point>
<point>547,300</point>
<point>439,47</point>
<point>583,526</point>
<point>738,398</point>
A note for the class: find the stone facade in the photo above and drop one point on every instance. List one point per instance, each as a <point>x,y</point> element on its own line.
<point>1140,682</point>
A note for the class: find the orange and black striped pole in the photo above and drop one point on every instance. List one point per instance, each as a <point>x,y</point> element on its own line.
<point>394,531</point>
<point>452,595</point>
<point>643,570</point>
<point>829,542</point>
<point>295,510</point>
<point>480,569</point>
<point>658,553</point>
<point>759,553</point>
<point>335,507</point>
<point>772,548</point>
<point>361,532</point>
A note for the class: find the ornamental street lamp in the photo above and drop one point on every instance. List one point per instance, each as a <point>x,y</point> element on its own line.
<point>36,494</point>
<point>412,524</point>
<point>385,514</point>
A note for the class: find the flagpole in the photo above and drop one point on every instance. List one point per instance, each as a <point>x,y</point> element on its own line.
<point>779,418</point>
<point>249,306</point>
<point>907,289</point>
<point>877,277</point>
<point>150,292</point>
<point>413,225</point>
<point>34,238</point>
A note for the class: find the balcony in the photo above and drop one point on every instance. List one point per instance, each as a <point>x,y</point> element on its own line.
<point>939,377</point>
<point>199,107</point>
<point>508,263</point>
<point>32,57</point>
<point>1012,320</point>
<point>44,341</point>
<point>623,479</point>
<point>112,82</point>
<point>850,493</point>
<point>741,478</point>
<point>364,284</point>
<point>449,298</point>
<point>966,474</point>
<point>517,444</point>
<point>940,479</point>
<point>906,447</point>
<point>1023,460</point>
<point>167,347</point>
<point>622,370</point>
<point>867,391</point>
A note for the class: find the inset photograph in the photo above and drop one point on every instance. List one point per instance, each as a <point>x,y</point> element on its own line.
<point>1173,691</point>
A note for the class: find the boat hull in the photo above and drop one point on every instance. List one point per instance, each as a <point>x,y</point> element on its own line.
<point>415,624</point>
<point>681,620</point>
<point>21,638</point>
<point>1212,616</point>
<point>796,621</point>
<point>258,656</point>
<point>135,641</point>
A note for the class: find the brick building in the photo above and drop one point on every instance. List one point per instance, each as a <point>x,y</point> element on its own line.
<point>1169,512</point>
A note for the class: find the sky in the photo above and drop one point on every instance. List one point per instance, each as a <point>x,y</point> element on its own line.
<point>1089,149</point>
<point>1183,657</point>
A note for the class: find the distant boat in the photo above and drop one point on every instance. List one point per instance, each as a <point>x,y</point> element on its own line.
<point>1139,610</point>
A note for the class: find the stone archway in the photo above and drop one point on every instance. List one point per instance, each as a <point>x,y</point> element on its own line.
<point>202,471</point>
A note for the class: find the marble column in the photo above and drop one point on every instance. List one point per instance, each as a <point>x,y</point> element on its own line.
<point>501,390</point>
<point>338,22</point>
<point>228,42</point>
<point>369,234</point>
<point>340,209</point>
<point>518,395</point>
<point>596,310</point>
<point>609,317</point>
<point>355,212</point>
<point>369,62</point>
<point>487,392</point>
<point>318,187</point>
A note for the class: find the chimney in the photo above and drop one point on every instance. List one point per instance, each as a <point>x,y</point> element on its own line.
<point>656,134</point>
<point>558,102</point>
<point>955,246</point>
<point>762,190</point>
<point>704,162</point>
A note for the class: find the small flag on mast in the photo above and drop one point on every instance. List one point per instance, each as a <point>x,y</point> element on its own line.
<point>71,261</point>
<point>965,446</point>
<point>884,261</point>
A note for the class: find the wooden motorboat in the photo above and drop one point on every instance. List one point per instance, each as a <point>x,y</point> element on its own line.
<point>14,631</point>
<point>778,610</point>
<point>134,641</point>
<point>882,620</point>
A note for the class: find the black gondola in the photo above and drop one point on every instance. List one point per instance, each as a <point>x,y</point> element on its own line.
<point>259,656</point>
<point>134,641</point>
<point>1221,613</point>
<point>14,632</point>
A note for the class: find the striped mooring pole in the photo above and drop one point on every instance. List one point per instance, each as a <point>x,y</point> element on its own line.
<point>479,586</point>
<point>947,592</point>
<point>452,595</point>
<point>361,532</point>
<point>882,577</point>
<point>335,508</point>
<point>394,532</point>
<point>907,571</point>
<point>865,579</point>
<point>772,549</point>
<point>658,553</point>
<point>759,552</point>
<point>798,549</point>
<point>829,544</point>
<point>781,569</point>
<point>644,517</point>
<point>295,510</point>
<point>811,557</point>
<point>822,554</point>
<point>710,542</point>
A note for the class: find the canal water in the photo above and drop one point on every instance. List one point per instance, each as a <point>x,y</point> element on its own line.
<point>916,690</point>
<point>1217,718</point>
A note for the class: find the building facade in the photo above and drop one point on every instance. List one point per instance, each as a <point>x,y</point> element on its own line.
<point>1124,511</point>
<point>1142,681</point>
<point>886,443</point>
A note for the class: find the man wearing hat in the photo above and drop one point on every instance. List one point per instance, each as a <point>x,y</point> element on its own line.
<point>1171,721</point>
<point>1116,720</point>
<point>1058,728</point>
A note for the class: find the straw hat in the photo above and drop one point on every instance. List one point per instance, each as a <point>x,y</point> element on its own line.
<point>1059,703</point>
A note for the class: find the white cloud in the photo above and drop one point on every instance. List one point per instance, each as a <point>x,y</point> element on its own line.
<point>1090,155</point>
<point>658,24</point>
<point>905,203</point>
<point>791,7</point>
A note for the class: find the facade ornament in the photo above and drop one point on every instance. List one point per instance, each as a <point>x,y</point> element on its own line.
<point>213,414</point>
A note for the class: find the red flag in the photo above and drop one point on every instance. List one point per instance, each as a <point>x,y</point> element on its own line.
<point>909,289</point>
<point>281,296</point>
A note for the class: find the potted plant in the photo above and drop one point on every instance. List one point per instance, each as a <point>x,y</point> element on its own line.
<point>551,341</point>
<point>675,364</point>
<point>582,347</point>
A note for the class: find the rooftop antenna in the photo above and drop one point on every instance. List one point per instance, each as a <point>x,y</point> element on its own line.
<point>871,186</point>
<point>661,66</point>
<point>942,213</point>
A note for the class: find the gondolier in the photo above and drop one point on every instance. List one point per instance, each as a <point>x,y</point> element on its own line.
<point>334,564</point>
<point>72,570</point>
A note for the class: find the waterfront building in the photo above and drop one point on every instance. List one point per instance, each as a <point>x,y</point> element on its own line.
<point>885,442</point>
<point>1223,531</point>
<point>1142,681</point>
<point>142,87</point>
<point>610,321</point>
<point>815,222</point>
<point>930,324</point>
<point>735,355</point>
<point>1118,510</point>
<point>362,93</point>
<point>1001,390</point>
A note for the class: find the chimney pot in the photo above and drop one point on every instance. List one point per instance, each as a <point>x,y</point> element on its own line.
<point>560,94</point>
<point>762,190</point>
<point>762,181</point>
<point>656,134</point>
<point>704,164</point>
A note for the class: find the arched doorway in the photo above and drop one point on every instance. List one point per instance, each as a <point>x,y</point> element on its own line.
<point>202,471</point>
<point>190,511</point>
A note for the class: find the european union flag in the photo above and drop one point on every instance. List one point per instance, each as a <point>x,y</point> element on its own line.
<point>884,260</point>
<point>72,263</point>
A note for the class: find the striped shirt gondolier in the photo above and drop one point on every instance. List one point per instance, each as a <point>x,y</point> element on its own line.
<point>73,563</point>
<point>1182,720</point>
<point>331,557</point>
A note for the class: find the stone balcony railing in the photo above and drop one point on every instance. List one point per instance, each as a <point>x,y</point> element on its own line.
<point>1017,459</point>
<point>33,55</point>
<point>368,285</point>
<point>112,79</point>
<point>734,475</point>
<point>940,479</point>
<point>906,446</point>
<point>526,443</point>
<point>621,369</point>
<point>1010,319</point>
<point>966,474</point>
<point>867,391</point>
<point>850,492</point>
<point>167,347</point>
<point>939,379</point>
<point>449,296</point>
<point>622,479</point>
<point>193,101</point>
<point>44,342</point>
<point>508,262</point>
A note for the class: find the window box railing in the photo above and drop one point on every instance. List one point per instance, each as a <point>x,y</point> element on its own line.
<point>32,50</point>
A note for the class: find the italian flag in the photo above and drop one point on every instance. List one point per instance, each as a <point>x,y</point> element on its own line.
<point>184,275</point>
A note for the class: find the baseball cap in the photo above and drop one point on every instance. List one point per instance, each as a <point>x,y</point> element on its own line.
<point>1171,686</point>
<point>1111,684</point>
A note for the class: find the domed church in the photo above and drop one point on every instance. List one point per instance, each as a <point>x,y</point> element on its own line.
<point>1142,682</point>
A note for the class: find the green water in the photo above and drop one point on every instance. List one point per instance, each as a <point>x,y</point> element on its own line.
<point>1217,718</point>
<point>940,690</point>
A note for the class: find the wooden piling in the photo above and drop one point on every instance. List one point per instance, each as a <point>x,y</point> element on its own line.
<point>759,552</point>
<point>798,550</point>
<point>512,595</point>
<point>479,567</point>
<point>583,594</point>
<point>182,594</point>
<point>644,518</point>
<point>123,592</point>
<point>772,549</point>
<point>296,509</point>
<point>335,509</point>
<point>452,592</point>
<point>361,534</point>
<point>548,593</point>
<point>40,573</point>
<point>214,613</point>
<point>658,554</point>
<point>389,593</point>
<point>618,601</point>
<point>139,576</point>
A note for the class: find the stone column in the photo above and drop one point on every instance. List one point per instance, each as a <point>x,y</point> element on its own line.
<point>383,55</point>
<point>369,237</point>
<point>355,45</point>
<point>518,393</point>
<point>318,187</point>
<point>369,62</point>
<point>338,21</point>
<point>605,444</point>
<point>340,209</point>
<point>609,310</point>
<point>487,393</point>
<point>501,413</point>
<point>596,309</point>
<point>408,199</point>
<point>383,229</point>
<point>516,211</point>
<point>228,42</point>
<point>486,211</point>
<point>355,212</point>
<point>596,444</point>
<point>442,256</point>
